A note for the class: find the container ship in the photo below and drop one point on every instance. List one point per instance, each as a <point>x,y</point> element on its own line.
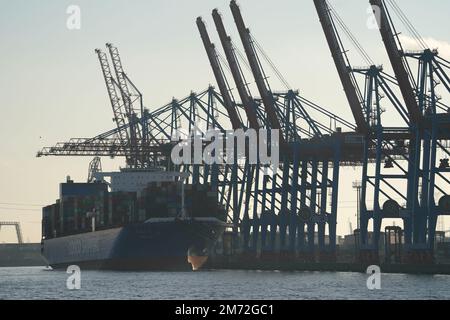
<point>138,220</point>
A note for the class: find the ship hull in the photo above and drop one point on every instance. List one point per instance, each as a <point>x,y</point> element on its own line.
<point>158,244</point>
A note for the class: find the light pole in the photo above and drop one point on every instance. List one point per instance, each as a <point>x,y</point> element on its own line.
<point>357,185</point>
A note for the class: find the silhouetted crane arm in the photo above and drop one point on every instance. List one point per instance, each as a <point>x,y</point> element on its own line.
<point>343,69</point>
<point>117,106</point>
<point>396,59</point>
<point>121,81</point>
<point>218,74</point>
<point>135,132</point>
<point>266,95</point>
<point>247,100</point>
<point>94,166</point>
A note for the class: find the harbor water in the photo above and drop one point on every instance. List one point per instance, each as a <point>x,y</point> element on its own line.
<point>42,283</point>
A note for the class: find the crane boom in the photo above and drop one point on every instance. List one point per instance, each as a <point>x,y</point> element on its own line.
<point>247,100</point>
<point>94,166</point>
<point>124,89</point>
<point>395,57</point>
<point>117,107</point>
<point>343,69</point>
<point>218,74</point>
<point>266,95</point>
<point>135,134</point>
<point>118,68</point>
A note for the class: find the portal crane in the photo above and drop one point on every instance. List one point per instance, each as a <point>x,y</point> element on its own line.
<point>229,103</point>
<point>422,102</point>
<point>377,138</point>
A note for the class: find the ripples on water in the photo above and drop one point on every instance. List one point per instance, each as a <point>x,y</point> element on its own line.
<point>39,283</point>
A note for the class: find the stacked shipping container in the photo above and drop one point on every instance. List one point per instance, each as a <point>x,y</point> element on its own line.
<point>81,203</point>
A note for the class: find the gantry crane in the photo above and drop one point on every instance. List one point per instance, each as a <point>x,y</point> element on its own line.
<point>251,109</point>
<point>379,139</point>
<point>394,145</point>
<point>230,105</point>
<point>288,212</point>
<point>429,128</point>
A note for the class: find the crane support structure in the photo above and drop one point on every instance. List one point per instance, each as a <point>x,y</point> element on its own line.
<point>342,67</point>
<point>266,95</point>
<point>218,74</point>
<point>397,62</point>
<point>247,100</point>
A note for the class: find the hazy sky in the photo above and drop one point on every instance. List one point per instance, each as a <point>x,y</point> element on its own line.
<point>52,88</point>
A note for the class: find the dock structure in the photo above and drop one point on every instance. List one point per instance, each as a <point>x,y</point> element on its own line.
<point>292,213</point>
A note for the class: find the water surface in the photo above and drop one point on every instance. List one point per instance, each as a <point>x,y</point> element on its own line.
<point>39,283</point>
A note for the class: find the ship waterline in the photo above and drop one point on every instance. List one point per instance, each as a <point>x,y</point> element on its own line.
<point>156,244</point>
